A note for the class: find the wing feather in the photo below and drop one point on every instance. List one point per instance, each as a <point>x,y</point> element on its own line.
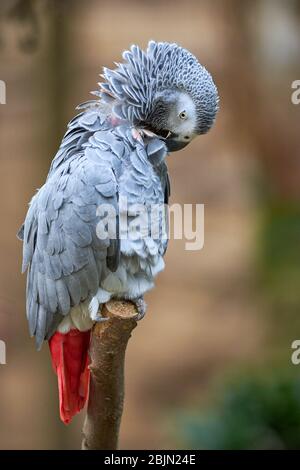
<point>61,250</point>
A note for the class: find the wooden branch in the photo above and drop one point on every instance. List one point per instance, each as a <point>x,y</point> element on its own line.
<point>106,395</point>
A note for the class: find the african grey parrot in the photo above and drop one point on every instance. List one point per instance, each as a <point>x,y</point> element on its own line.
<point>153,103</point>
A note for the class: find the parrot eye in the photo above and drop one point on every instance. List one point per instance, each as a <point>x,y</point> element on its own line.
<point>183,115</point>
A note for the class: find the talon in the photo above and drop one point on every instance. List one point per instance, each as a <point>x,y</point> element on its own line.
<point>141,307</point>
<point>140,316</point>
<point>98,318</point>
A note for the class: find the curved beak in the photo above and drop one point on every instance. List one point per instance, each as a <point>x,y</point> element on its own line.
<point>171,139</point>
<point>174,145</point>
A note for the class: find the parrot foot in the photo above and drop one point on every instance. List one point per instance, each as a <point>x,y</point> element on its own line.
<point>141,307</point>
<point>98,318</point>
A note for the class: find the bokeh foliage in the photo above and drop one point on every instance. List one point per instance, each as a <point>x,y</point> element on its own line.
<point>252,413</point>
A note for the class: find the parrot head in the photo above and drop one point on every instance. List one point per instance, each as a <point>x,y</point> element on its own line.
<point>164,90</point>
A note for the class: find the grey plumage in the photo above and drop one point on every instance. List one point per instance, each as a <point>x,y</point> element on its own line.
<point>163,66</point>
<point>101,160</point>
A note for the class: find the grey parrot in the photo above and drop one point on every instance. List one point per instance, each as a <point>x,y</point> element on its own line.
<point>153,103</point>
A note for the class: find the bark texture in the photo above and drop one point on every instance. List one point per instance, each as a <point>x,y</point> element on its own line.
<point>106,396</point>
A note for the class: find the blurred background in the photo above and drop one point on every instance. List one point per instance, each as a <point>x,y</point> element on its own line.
<point>210,365</point>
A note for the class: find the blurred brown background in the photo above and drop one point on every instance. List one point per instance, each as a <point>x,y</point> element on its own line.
<point>230,309</point>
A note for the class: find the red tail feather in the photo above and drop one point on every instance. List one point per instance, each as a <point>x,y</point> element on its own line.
<point>70,361</point>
